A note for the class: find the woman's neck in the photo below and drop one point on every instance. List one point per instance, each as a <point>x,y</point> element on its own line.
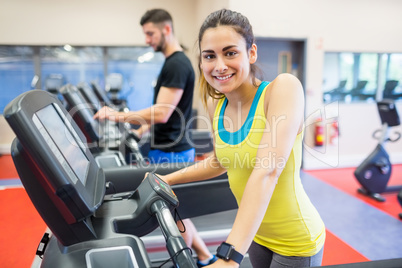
<point>244,94</point>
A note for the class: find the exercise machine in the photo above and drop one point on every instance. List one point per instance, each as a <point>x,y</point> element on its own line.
<point>201,140</point>
<point>94,97</point>
<point>91,98</point>
<point>53,83</point>
<point>113,87</point>
<point>375,171</point>
<point>88,227</point>
<point>106,137</point>
<point>120,173</point>
<point>101,94</point>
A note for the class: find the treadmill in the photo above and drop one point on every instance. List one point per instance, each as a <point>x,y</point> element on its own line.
<point>90,228</point>
<point>103,137</point>
<point>201,140</point>
<point>101,94</point>
<point>120,175</point>
<point>88,93</point>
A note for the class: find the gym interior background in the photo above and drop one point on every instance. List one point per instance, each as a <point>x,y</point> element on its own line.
<point>316,33</point>
<point>352,47</point>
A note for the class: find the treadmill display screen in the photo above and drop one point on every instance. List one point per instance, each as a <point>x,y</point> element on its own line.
<point>63,142</point>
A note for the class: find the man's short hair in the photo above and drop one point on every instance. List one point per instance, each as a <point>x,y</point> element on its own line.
<point>156,16</point>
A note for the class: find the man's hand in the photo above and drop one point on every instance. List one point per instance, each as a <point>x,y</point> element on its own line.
<point>105,113</point>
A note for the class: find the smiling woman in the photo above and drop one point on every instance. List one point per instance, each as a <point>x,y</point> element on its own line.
<point>258,133</point>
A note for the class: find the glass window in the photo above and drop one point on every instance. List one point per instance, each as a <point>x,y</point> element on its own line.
<point>346,63</point>
<point>368,69</point>
<point>393,77</point>
<point>139,67</point>
<point>59,65</point>
<point>75,64</point>
<point>16,72</point>
<point>358,76</point>
<point>338,76</point>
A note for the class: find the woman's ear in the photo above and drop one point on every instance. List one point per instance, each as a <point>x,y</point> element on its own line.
<point>253,54</point>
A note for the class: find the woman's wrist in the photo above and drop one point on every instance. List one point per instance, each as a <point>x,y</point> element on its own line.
<point>165,178</point>
<point>229,263</point>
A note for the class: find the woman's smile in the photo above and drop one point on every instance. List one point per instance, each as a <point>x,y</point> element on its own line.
<point>224,78</point>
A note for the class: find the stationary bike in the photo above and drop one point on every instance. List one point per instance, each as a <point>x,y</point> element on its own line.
<point>374,172</point>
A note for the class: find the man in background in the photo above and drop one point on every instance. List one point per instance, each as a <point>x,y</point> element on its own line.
<point>168,117</point>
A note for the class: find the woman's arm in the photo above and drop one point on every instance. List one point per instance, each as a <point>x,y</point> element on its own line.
<point>202,170</point>
<point>284,115</point>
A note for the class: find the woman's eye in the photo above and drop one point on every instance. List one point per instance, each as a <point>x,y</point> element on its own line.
<point>208,56</point>
<point>231,53</point>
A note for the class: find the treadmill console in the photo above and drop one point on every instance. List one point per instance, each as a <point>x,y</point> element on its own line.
<point>163,189</point>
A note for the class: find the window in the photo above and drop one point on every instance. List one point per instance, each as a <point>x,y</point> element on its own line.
<point>75,64</point>
<point>140,67</point>
<point>16,72</point>
<point>350,77</point>
<point>393,76</point>
<point>23,68</point>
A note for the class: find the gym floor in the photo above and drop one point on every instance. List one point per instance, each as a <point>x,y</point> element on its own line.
<point>359,229</point>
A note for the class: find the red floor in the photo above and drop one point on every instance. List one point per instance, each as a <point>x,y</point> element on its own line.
<point>344,180</point>
<point>21,229</point>
<point>7,169</point>
<point>337,251</point>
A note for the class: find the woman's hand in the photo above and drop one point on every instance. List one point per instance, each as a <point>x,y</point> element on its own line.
<point>221,263</point>
<point>162,177</point>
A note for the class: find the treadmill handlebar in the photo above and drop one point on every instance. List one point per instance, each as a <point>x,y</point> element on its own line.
<point>177,248</point>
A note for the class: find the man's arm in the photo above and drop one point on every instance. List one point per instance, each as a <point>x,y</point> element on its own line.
<point>160,112</point>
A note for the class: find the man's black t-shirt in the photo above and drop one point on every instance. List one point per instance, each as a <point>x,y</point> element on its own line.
<point>172,136</point>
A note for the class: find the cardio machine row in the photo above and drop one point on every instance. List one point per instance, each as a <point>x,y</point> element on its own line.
<point>68,188</point>
<point>114,144</point>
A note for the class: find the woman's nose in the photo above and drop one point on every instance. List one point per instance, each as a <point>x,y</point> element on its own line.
<point>220,66</point>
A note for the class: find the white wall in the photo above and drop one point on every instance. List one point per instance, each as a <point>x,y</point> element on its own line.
<point>330,25</point>
<point>86,22</point>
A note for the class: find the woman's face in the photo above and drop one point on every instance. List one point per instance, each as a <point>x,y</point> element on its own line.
<point>225,61</point>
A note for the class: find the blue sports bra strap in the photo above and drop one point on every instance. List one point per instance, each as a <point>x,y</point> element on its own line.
<point>238,136</point>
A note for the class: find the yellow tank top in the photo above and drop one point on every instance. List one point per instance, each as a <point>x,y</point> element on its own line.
<point>291,225</point>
